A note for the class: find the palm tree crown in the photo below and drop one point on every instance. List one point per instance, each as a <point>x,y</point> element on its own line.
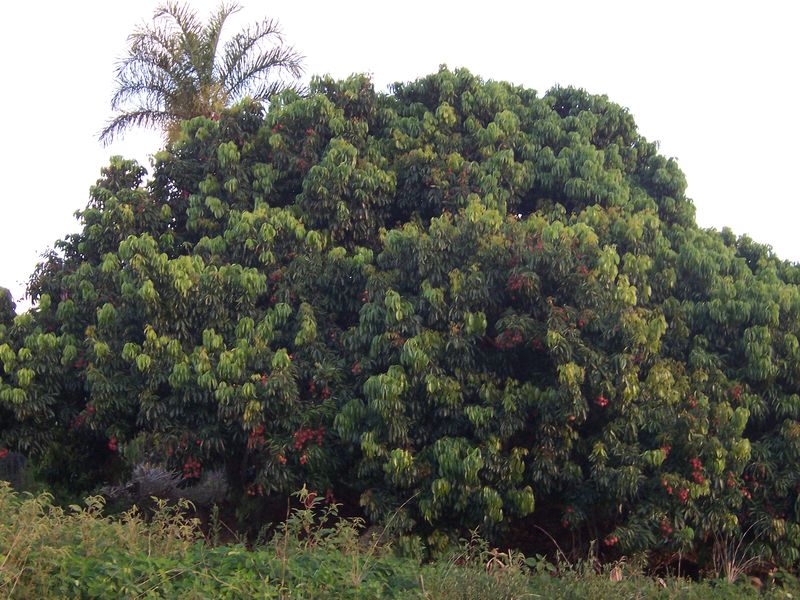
<point>175,70</point>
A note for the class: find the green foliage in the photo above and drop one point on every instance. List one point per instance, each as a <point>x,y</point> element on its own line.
<point>460,302</point>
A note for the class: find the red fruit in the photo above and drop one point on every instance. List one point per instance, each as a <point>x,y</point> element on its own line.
<point>191,468</point>
<point>112,444</point>
<point>356,368</point>
<point>303,459</point>
<point>611,540</point>
<point>514,283</point>
<point>683,495</point>
<point>669,489</point>
<point>281,459</point>
<point>3,453</point>
<point>601,401</point>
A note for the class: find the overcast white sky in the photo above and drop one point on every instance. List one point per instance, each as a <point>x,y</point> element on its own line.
<point>715,82</point>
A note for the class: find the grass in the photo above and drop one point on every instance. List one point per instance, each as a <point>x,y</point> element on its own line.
<point>50,552</point>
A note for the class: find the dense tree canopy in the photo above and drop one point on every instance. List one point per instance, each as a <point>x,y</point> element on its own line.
<point>460,300</point>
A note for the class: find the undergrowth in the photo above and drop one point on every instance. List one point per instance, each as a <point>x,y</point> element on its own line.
<point>50,552</point>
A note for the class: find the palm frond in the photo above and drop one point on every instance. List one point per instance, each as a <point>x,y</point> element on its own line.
<point>136,118</point>
<point>189,44</point>
<point>264,91</point>
<point>153,54</point>
<point>172,70</point>
<point>252,69</point>
<point>213,31</point>
<point>149,91</point>
<point>183,16</point>
<point>244,43</point>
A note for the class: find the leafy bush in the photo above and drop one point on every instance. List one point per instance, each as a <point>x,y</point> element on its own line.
<point>442,302</point>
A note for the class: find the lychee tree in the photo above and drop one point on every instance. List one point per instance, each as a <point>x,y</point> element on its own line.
<point>459,302</point>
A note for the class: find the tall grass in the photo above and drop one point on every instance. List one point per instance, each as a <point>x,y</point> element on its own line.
<point>38,538</point>
<point>50,552</point>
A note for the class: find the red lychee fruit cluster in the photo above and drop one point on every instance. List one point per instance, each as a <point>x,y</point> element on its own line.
<point>306,434</point>
<point>666,528</point>
<point>508,339</point>
<point>191,468</point>
<point>697,470</point>
<point>255,438</point>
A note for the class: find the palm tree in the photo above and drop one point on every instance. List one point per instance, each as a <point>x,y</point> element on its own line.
<point>175,71</point>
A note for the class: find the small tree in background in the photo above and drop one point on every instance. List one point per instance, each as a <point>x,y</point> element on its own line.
<point>175,69</point>
<point>7,306</point>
